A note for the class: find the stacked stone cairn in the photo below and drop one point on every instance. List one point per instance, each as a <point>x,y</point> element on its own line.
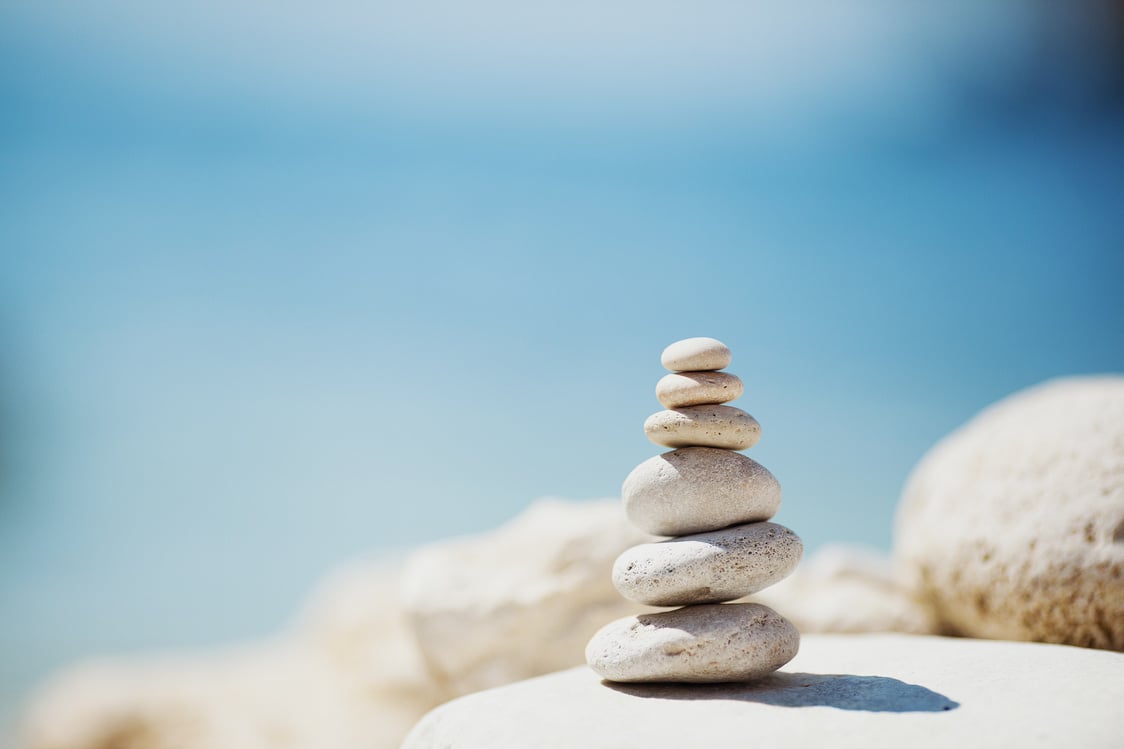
<point>715,502</point>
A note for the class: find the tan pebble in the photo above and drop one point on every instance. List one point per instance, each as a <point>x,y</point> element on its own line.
<point>696,354</point>
<point>698,489</point>
<point>708,643</point>
<point>704,426</point>
<point>698,388</point>
<point>708,567</point>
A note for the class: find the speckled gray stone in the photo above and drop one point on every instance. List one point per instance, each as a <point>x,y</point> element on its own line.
<point>698,489</point>
<point>708,643</point>
<point>696,354</point>
<point>708,567</point>
<point>698,388</point>
<point>705,426</point>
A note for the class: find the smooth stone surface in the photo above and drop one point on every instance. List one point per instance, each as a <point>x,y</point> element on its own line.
<point>1013,525</point>
<point>698,388</point>
<point>699,489</point>
<point>521,600</point>
<point>841,691</point>
<point>708,567</point>
<point>707,643</point>
<point>704,426</point>
<point>696,354</point>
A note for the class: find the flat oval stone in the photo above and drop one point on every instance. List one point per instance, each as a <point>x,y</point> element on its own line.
<point>698,388</point>
<point>698,489</point>
<point>708,643</point>
<point>696,354</point>
<point>704,426</point>
<point>708,567</point>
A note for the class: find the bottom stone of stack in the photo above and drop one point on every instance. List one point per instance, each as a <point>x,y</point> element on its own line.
<point>708,643</point>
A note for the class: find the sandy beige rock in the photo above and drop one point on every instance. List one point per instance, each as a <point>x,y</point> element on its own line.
<point>848,589</point>
<point>706,643</point>
<point>347,675</point>
<point>841,691</point>
<point>1013,525</point>
<point>698,388</point>
<point>351,672</point>
<point>708,567</point>
<point>706,426</point>
<point>521,600</point>
<point>245,699</point>
<point>699,489</point>
<point>695,354</point>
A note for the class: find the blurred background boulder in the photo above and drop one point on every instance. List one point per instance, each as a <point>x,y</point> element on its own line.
<point>1013,525</point>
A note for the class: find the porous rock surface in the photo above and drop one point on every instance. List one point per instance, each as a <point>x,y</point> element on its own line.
<point>1013,525</point>
<point>842,691</point>
<point>708,567</point>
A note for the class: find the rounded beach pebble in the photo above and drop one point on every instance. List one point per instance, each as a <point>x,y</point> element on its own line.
<point>708,643</point>
<point>1012,527</point>
<point>698,489</point>
<point>706,426</point>
<point>696,354</point>
<point>698,388</point>
<point>708,567</point>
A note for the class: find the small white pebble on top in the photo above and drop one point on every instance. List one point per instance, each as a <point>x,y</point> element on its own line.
<point>696,355</point>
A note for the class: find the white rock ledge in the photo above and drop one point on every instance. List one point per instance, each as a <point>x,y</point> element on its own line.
<point>842,691</point>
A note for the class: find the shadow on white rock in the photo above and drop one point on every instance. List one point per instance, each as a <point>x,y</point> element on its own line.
<point>876,694</point>
<point>843,691</point>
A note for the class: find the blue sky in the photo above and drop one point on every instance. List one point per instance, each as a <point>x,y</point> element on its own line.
<point>283,287</point>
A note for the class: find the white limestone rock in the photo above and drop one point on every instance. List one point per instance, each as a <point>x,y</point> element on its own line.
<point>725,427</point>
<point>841,691</point>
<point>347,675</point>
<point>242,699</point>
<point>698,388</point>
<point>699,489</point>
<point>705,643</point>
<point>696,354</point>
<point>1013,525</point>
<point>708,567</point>
<point>521,600</point>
